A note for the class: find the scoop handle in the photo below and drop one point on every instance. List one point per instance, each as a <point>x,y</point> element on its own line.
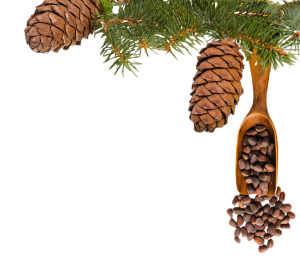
<point>260,80</point>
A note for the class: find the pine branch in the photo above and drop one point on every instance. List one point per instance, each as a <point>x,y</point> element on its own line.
<point>177,25</point>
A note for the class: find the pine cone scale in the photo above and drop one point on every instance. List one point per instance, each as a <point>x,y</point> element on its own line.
<point>217,100</point>
<point>214,87</point>
<point>231,61</point>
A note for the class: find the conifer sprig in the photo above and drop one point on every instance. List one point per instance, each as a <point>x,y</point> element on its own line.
<point>178,25</point>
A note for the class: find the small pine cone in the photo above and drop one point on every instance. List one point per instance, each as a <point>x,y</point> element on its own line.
<point>60,24</point>
<point>217,87</point>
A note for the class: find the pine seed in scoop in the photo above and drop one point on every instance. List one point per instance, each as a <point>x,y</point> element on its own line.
<point>260,128</point>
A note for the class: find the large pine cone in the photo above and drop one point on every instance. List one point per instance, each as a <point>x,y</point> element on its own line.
<point>216,88</point>
<point>60,24</point>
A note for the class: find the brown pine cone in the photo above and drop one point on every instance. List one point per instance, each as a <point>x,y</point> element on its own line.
<point>60,24</point>
<point>217,87</point>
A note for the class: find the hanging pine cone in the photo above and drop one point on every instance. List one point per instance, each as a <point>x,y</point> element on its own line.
<point>216,88</point>
<point>60,24</point>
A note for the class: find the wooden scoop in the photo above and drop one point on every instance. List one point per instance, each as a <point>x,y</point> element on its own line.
<point>258,115</point>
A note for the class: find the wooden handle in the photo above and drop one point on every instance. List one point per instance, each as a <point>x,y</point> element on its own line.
<point>260,80</point>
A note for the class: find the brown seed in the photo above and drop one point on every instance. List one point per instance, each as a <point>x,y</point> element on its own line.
<point>266,208</point>
<point>278,233</point>
<point>244,232</point>
<point>264,150</point>
<point>240,220</point>
<point>254,207</point>
<point>265,177</point>
<point>271,147</point>
<point>291,215</point>
<point>262,249</point>
<point>281,215</point>
<point>271,229</point>
<point>267,236</point>
<point>252,141</point>
<point>253,219</point>
<point>273,200</point>
<point>270,167</point>
<point>230,212</point>
<point>242,164</point>
<point>259,142</point>
<point>267,223</point>
<point>251,189</point>
<point>241,196</point>
<point>247,217</point>
<point>253,159</point>
<point>285,220</point>
<point>272,219</point>
<point>245,173</point>
<point>245,141</point>
<point>255,181</point>
<point>248,210</point>
<point>245,156</point>
<point>246,200</point>
<point>255,148</point>
<point>235,200</point>
<point>260,233</point>
<point>240,204</point>
<point>259,193</point>
<point>267,197</point>
<point>257,167</point>
<point>238,211</point>
<point>259,199</point>
<point>264,185</point>
<point>251,132</point>
<point>285,226</point>
<point>232,223</point>
<point>260,128</point>
<point>260,227</point>
<point>260,241</point>
<point>272,209</point>
<point>265,192</point>
<point>247,149</point>
<point>259,222</point>
<point>278,204</point>
<point>286,208</point>
<point>278,223</point>
<point>250,228</point>
<point>278,191</point>
<point>264,217</point>
<point>250,236</point>
<point>237,239</point>
<point>265,142</point>
<point>270,243</point>
<point>276,213</point>
<point>262,158</point>
<point>248,180</point>
<point>258,204</point>
<point>259,213</point>
<point>237,232</point>
<point>263,134</point>
<point>282,196</point>
<point>248,166</point>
